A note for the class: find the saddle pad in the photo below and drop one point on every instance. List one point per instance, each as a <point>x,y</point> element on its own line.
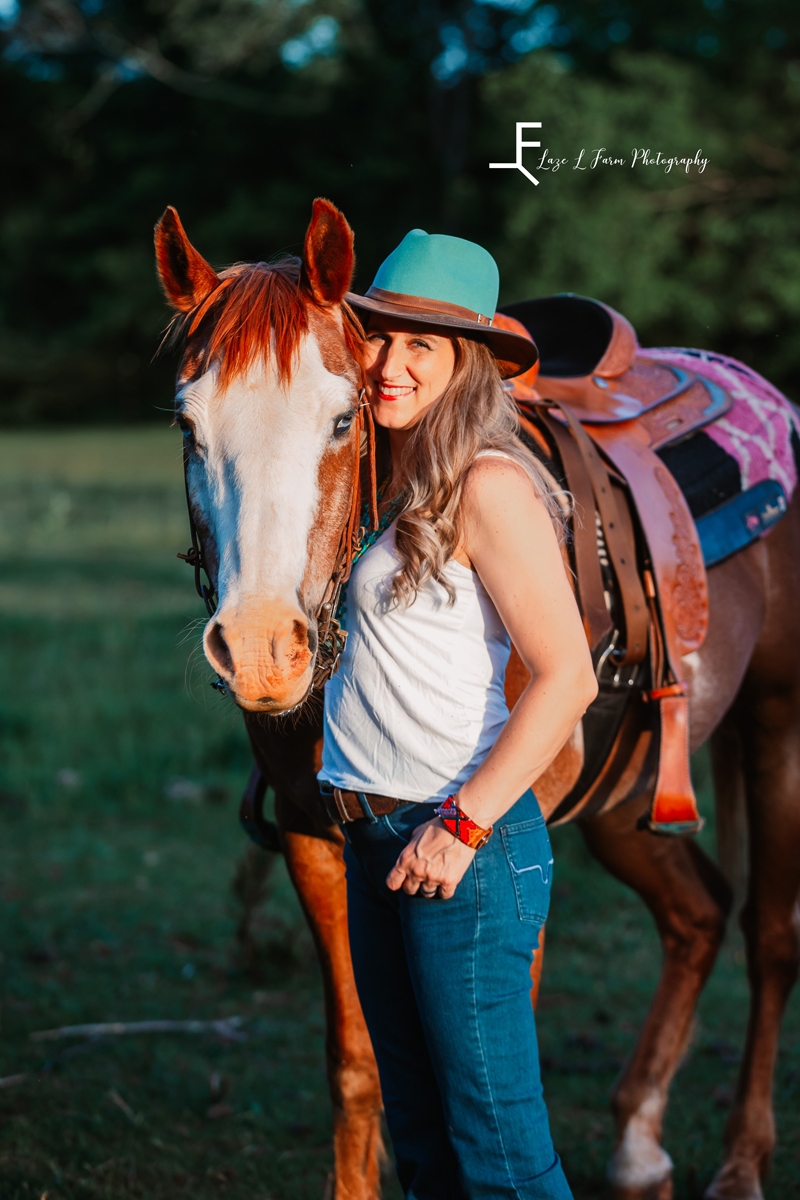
<point>724,469</point>
<point>738,522</point>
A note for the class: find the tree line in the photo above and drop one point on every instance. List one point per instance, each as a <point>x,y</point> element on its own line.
<point>239,112</point>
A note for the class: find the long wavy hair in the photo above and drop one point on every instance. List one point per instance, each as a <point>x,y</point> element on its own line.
<point>474,413</point>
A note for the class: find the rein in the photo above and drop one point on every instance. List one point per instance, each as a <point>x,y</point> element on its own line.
<point>331,638</point>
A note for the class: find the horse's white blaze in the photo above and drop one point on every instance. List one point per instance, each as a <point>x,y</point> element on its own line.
<point>639,1160</point>
<point>254,481</point>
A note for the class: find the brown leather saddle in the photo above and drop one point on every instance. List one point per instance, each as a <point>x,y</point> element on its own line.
<point>606,409</point>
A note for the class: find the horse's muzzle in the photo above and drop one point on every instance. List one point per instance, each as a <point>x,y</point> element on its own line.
<point>261,652</point>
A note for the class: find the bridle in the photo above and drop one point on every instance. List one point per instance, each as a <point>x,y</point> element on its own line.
<point>331,638</point>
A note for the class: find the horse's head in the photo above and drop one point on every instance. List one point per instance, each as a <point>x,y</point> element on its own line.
<point>267,398</point>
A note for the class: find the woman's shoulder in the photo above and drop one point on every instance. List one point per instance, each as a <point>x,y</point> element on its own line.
<point>497,481</point>
<point>495,468</point>
<point>501,506</point>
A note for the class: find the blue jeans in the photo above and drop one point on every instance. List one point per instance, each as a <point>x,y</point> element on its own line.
<point>445,990</point>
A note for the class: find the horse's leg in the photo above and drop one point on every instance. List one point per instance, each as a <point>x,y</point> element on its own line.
<point>289,758</point>
<point>689,899</point>
<point>316,868</point>
<point>770,728</point>
<point>731,807</point>
<point>767,717</point>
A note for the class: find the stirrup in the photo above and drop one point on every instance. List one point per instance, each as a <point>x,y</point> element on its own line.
<point>673,812</point>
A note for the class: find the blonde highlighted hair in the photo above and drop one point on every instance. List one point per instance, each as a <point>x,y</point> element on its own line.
<point>474,413</point>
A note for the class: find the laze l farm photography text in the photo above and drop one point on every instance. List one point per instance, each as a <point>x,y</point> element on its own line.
<point>590,160</point>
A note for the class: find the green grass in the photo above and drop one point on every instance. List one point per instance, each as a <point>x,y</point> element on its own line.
<point>120,772</point>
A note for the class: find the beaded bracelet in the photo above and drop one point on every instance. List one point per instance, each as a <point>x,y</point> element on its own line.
<point>462,826</point>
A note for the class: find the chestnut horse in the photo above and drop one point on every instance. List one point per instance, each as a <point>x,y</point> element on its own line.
<point>268,400</point>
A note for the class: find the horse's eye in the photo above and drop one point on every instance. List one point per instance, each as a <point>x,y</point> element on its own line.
<point>187,429</point>
<point>344,424</point>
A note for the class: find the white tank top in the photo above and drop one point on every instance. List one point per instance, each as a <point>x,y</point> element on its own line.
<point>418,700</point>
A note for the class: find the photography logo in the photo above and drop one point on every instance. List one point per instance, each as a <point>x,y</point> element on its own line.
<point>521,145</point>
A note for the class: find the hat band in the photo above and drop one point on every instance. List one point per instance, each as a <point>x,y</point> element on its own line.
<point>437,306</point>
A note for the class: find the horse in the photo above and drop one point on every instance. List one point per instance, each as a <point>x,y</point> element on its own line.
<point>269,399</point>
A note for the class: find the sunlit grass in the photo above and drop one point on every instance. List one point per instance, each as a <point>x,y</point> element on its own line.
<point>120,772</point>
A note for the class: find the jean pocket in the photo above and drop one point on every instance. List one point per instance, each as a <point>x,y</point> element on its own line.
<point>407,818</point>
<point>401,834</point>
<point>530,858</point>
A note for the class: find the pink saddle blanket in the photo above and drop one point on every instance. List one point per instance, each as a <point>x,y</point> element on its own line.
<point>761,432</point>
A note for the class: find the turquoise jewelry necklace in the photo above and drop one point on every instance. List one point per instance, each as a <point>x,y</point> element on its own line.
<point>368,539</point>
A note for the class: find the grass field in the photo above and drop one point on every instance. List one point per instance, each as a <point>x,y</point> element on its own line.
<point>120,772</point>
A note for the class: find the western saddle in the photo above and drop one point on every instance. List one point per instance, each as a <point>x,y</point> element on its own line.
<point>602,409</point>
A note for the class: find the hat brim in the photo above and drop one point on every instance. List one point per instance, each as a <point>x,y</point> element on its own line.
<point>513,353</point>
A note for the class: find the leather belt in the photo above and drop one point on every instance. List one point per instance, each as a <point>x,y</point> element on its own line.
<point>344,807</point>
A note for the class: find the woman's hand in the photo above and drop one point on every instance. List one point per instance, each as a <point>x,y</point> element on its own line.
<point>432,859</point>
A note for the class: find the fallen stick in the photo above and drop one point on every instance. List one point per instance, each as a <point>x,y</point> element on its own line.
<point>226,1027</point>
<point>98,1043</point>
<point>12,1080</point>
<point>115,1098</point>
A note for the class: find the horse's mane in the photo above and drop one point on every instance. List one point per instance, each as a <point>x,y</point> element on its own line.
<point>258,310</point>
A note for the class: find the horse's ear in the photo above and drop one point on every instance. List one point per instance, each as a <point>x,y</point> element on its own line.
<point>328,258</point>
<point>185,275</point>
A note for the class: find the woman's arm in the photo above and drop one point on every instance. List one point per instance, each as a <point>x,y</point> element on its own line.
<point>511,544</point>
<point>513,547</point>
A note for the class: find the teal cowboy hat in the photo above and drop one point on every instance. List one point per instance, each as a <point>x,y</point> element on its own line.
<point>440,280</point>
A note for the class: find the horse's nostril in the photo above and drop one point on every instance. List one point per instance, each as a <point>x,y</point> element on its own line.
<point>217,649</point>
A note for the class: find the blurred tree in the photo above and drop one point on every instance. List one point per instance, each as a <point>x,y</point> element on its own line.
<point>708,259</point>
<point>239,112</point>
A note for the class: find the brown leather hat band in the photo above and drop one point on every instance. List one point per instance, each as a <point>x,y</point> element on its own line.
<point>437,306</point>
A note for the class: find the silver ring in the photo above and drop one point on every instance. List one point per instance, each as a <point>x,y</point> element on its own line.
<point>426,893</point>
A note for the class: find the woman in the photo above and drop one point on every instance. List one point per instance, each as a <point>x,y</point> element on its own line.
<point>444,910</point>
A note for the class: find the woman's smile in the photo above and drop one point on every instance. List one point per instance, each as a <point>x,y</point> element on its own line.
<point>390,391</point>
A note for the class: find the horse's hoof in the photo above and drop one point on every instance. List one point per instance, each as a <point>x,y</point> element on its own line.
<point>736,1180</point>
<point>652,1191</point>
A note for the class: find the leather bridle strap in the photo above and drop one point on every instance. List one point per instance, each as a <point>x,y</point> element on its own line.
<point>194,556</point>
<point>331,638</point>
